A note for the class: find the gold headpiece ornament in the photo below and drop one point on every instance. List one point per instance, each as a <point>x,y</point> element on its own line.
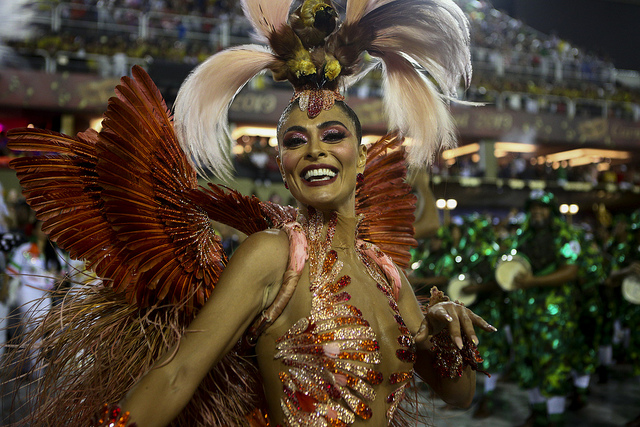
<point>322,55</point>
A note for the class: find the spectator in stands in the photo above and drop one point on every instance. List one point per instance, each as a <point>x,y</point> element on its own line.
<point>34,266</point>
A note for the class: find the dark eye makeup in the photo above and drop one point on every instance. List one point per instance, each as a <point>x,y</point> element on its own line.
<point>293,139</point>
<point>331,131</point>
<point>334,135</point>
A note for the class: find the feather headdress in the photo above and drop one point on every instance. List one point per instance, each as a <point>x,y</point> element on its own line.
<point>423,46</point>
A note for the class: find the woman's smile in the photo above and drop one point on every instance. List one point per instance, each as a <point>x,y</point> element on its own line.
<point>320,174</point>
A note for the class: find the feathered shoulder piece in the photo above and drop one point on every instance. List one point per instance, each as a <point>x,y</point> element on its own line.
<point>128,202</point>
<point>384,201</point>
<point>422,45</point>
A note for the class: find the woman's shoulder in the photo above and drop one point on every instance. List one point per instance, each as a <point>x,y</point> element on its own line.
<point>269,248</point>
<point>271,240</point>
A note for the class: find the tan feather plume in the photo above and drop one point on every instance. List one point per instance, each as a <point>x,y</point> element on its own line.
<point>413,105</point>
<point>266,16</point>
<point>386,202</point>
<point>411,37</point>
<point>127,200</point>
<point>201,107</point>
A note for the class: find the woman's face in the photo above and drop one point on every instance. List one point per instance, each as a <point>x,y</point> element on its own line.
<point>319,159</point>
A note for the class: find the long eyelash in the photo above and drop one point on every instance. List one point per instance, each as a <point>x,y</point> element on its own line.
<point>293,141</point>
<point>334,135</point>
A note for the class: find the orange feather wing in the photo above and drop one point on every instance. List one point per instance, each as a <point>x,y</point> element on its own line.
<point>386,202</point>
<point>127,200</point>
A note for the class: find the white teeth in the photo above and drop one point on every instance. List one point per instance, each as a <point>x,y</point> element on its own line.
<point>319,174</point>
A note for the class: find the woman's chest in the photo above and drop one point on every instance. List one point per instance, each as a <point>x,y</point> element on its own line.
<point>340,343</point>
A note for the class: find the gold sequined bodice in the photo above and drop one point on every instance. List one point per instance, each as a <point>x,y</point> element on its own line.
<point>343,355</point>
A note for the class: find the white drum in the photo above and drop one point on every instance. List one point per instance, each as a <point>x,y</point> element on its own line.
<point>631,289</point>
<point>508,267</point>
<point>454,290</point>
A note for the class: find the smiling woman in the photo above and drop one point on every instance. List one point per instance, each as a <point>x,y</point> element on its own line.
<point>312,321</point>
<point>320,157</point>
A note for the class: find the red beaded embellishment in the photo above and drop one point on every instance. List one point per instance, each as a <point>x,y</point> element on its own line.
<point>328,353</point>
<point>399,377</point>
<point>407,356</point>
<point>314,100</point>
<point>111,416</point>
<point>450,361</point>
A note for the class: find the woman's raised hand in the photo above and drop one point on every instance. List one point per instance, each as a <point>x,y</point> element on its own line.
<point>458,319</point>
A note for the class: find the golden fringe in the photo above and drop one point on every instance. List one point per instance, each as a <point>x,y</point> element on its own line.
<point>93,347</point>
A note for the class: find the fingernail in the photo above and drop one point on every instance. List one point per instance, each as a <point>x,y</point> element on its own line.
<point>493,328</point>
<point>449,318</point>
<point>474,340</point>
<point>458,342</point>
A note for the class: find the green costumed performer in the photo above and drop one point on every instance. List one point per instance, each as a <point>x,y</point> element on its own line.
<point>479,259</point>
<point>625,276</point>
<point>592,274</point>
<point>544,311</point>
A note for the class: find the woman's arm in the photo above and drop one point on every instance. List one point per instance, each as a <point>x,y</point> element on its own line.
<point>458,391</point>
<point>239,296</point>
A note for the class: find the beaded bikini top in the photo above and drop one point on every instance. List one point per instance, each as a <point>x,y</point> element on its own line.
<point>332,355</point>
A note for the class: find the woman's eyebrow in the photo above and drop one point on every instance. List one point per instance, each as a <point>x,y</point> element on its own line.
<point>295,128</point>
<point>330,123</point>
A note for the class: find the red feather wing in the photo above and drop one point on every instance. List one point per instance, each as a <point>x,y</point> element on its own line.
<point>128,201</point>
<point>386,201</point>
<point>223,204</point>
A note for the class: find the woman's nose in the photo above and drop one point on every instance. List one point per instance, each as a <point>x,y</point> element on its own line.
<point>315,149</point>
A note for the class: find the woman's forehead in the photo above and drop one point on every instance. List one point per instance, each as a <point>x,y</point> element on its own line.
<point>299,118</point>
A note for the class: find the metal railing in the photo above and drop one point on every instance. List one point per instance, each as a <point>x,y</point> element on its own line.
<point>117,65</point>
<point>224,31</point>
<point>571,107</point>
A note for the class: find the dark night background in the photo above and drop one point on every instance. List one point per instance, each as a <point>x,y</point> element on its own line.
<point>608,28</point>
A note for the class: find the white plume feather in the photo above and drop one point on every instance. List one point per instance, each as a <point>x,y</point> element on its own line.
<point>202,104</point>
<point>434,33</point>
<point>414,106</point>
<point>412,36</point>
<point>356,9</point>
<point>266,16</point>
<point>17,16</point>
<point>347,81</point>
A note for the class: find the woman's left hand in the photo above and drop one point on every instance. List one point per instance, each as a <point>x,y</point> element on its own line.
<point>457,318</point>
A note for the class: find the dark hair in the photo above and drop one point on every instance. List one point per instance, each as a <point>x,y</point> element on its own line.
<point>350,113</point>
